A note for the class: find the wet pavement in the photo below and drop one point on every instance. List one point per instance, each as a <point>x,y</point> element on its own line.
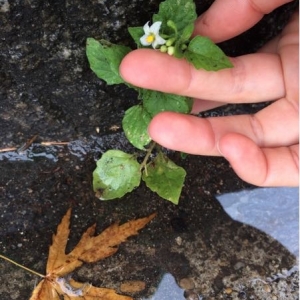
<point>225,240</point>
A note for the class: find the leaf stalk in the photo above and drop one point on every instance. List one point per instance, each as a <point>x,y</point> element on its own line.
<point>146,158</point>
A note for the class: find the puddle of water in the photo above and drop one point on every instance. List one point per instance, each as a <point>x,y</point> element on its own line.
<point>167,289</point>
<point>32,153</point>
<point>274,211</point>
<point>78,148</point>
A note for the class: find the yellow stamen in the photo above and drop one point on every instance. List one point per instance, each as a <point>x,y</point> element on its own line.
<point>150,38</point>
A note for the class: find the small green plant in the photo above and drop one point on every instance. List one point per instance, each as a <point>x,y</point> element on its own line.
<point>117,172</point>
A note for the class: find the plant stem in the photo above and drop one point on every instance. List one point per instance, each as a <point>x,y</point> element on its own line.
<point>144,163</point>
<point>20,266</point>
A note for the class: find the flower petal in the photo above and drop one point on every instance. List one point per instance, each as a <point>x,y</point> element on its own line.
<point>158,41</point>
<point>155,27</point>
<point>147,28</point>
<point>152,31</point>
<point>144,41</point>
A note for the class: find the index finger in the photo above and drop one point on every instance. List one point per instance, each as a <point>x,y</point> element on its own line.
<point>228,18</point>
<point>254,78</point>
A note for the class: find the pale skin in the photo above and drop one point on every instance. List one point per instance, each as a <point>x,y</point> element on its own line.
<point>263,148</point>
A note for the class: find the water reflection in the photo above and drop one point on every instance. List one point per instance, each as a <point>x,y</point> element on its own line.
<point>167,289</point>
<point>274,211</point>
<point>32,153</point>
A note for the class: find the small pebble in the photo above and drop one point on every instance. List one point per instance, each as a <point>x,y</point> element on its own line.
<point>239,265</point>
<point>190,295</point>
<point>267,288</point>
<point>186,283</point>
<point>178,241</point>
<point>228,291</point>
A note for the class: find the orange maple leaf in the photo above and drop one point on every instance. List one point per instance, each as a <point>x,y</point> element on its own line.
<point>90,249</point>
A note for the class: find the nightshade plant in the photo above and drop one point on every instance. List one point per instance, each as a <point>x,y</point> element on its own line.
<point>171,29</point>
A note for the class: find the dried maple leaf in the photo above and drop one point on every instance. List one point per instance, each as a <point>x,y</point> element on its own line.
<point>90,248</point>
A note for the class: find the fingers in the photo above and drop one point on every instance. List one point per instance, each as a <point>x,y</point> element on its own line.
<point>270,164</point>
<point>203,105</point>
<point>288,48</point>
<point>261,166</point>
<point>254,78</point>
<point>274,126</point>
<point>184,133</point>
<point>228,18</point>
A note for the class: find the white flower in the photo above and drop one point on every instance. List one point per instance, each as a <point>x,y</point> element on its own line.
<point>151,36</point>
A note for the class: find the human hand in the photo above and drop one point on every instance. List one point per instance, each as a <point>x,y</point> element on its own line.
<point>262,148</point>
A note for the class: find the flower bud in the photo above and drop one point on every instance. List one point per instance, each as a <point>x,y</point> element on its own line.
<point>172,25</point>
<point>171,50</point>
<point>170,42</point>
<point>183,47</point>
<point>163,48</point>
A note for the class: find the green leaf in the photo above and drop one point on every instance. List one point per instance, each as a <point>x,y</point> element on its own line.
<point>117,173</point>
<point>181,12</point>
<point>204,54</point>
<point>105,59</point>
<point>165,178</point>
<point>136,33</point>
<point>155,102</point>
<point>135,125</point>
